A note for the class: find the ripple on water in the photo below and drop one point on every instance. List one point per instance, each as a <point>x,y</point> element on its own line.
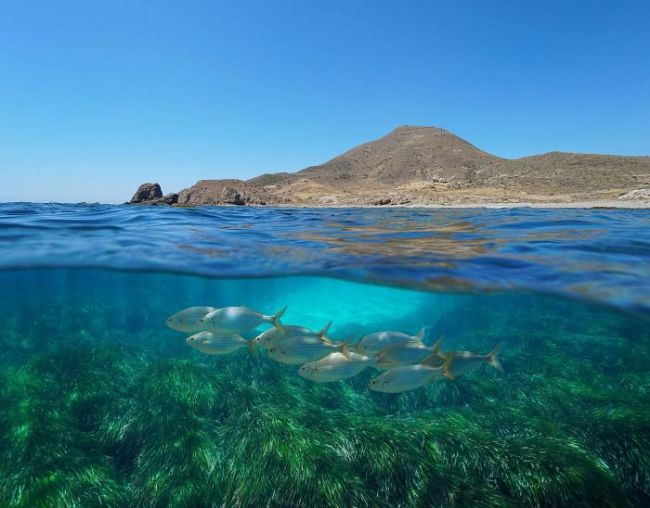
<point>601,255</point>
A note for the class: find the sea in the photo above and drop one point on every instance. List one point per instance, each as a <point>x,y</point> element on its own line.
<point>102,404</point>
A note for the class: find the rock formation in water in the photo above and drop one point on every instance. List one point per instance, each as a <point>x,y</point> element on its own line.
<point>151,194</point>
<point>428,165</point>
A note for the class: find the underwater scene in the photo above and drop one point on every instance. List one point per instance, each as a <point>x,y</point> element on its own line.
<point>515,372</point>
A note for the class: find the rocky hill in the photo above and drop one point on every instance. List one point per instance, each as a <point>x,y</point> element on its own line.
<point>428,166</point>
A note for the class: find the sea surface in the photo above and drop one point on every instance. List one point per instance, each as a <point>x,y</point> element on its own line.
<point>101,404</point>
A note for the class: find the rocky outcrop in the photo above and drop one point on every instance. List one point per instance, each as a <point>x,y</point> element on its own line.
<point>151,194</point>
<point>231,196</point>
<point>168,199</point>
<point>224,192</point>
<point>146,192</point>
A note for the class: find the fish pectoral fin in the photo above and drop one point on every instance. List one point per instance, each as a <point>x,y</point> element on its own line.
<point>387,360</point>
<point>388,349</point>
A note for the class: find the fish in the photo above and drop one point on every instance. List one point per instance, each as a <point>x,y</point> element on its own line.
<point>239,320</point>
<point>405,353</point>
<point>409,377</point>
<point>372,343</point>
<point>218,344</point>
<point>299,350</point>
<point>466,361</point>
<point>273,336</point>
<point>335,367</point>
<point>189,320</point>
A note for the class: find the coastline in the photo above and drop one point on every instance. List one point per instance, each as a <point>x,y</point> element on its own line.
<point>595,204</point>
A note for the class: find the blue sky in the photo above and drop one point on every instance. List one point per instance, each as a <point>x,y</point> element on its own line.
<point>97,97</point>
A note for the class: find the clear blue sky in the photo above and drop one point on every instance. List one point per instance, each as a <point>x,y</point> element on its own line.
<point>97,97</point>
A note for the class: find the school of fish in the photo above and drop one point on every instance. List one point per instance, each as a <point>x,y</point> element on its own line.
<point>405,360</point>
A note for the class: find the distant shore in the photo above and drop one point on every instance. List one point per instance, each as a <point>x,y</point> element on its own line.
<point>605,203</point>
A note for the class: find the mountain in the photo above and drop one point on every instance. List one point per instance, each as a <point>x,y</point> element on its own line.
<point>429,165</point>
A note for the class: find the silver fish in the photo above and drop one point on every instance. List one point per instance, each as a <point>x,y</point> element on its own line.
<point>239,320</point>
<point>216,344</point>
<point>335,367</point>
<point>405,353</point>
<point>268,338</point>
<point>409,377</point>
<point>189,320</point>
<point>299,350</point>
<point>374,342</point>
<point>466,361</point>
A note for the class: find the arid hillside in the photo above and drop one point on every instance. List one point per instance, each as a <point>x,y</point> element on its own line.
<point>428,166</point>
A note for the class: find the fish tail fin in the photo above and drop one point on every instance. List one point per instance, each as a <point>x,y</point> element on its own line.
<point>344,349</point>
<point>324,331</point>
<point>436,346</point>
<point>446,367</point>
<point>276,320</point>
<point>493,357</point>
<point>252,347</point>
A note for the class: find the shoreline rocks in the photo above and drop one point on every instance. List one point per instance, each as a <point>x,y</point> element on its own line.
<point>151,194</point>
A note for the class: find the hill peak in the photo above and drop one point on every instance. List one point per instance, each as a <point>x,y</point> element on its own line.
<point>420,164</point>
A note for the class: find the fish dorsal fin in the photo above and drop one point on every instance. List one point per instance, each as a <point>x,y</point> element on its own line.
<point>436,346</point>
<point>420,335</point>
<point>344,349</point>
<point>446,367</point>
<point>324,340</point>
<point>433,359</point>
<point>325,329</point>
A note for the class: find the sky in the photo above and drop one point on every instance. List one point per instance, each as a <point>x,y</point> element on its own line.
<point>97,97</point>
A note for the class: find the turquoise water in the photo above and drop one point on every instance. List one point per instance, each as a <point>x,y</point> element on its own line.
<point>102,405</point>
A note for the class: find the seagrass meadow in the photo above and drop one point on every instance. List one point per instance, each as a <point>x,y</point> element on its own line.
<point>102,405</point>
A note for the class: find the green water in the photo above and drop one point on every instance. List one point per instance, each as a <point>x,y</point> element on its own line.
<point>102,405</point>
